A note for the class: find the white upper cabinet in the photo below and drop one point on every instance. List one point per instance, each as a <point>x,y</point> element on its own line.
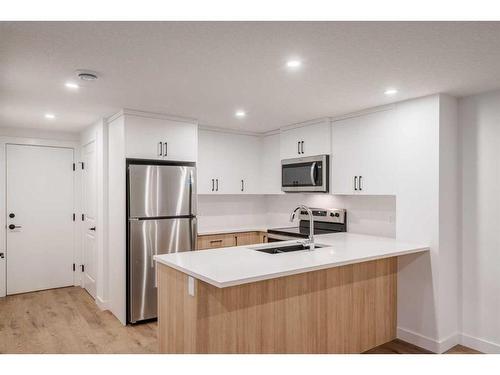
<point>228,163</point>
<point>159,138</point>
<point>270,165</point>
<point>308,140</point>
<point>364,154</point>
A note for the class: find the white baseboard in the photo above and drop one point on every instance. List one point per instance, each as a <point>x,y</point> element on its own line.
<point>102,304</point>
<point>481,345</point>
<point>433,345</point>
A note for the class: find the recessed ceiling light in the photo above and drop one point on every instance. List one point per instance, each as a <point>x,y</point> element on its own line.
<point>390,92</point>
<point>50,116</point>
<point>293,64</point>
<point>71,85</point>
<point>240,114</point>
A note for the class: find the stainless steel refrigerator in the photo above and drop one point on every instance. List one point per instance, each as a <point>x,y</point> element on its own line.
<point>161,204</point>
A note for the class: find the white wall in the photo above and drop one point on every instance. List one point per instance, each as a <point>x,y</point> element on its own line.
<point>38,134</point>
<point>427,200</point>
<point>374,215</point>
<point>480,272</point>
<point>217,213</point>
<point>116,214</point>
<point>449,220</point>
<point>366,214</point>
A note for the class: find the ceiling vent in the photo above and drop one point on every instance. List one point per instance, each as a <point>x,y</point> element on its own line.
<point>87,75</point>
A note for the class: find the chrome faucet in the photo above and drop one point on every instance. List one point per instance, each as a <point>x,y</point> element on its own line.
<point>309,242</point>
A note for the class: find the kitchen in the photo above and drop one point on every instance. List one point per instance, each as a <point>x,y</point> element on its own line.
<point>319,225</point>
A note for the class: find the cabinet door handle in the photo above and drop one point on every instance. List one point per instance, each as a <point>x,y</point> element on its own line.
<point>298,147</point>
<point>356,183</point>
<point>213,184</point>
<point>217,184</point>
<point>165,148</point>
<point>242,185</point>
<point>302,146</point>
<point>160,149</point>
<point>359,185</point>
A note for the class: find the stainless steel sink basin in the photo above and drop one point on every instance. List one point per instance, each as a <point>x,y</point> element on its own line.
<point>286,248</point>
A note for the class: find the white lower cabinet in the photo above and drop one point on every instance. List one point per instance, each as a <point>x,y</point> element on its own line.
<point>364,151</point>
<point>228,163</point>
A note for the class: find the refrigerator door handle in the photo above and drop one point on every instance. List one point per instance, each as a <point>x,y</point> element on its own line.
<point>155,274</point>
<point>194,234</point>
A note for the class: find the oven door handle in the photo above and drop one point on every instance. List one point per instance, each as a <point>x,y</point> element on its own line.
<point>313,174</point>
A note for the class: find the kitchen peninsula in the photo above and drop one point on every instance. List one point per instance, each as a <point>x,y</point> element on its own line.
<point>340,298</point>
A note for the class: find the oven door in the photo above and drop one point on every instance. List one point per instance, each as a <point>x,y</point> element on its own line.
<point>309,174</point>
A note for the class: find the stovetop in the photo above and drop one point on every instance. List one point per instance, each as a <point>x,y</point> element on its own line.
<point>298,231</point>
<point>326,220</point>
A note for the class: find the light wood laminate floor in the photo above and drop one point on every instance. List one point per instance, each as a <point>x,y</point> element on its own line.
<point>67,320</point>
<point>402,347</point>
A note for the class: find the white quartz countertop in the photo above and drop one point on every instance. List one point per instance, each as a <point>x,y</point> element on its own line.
<point>232,266</point>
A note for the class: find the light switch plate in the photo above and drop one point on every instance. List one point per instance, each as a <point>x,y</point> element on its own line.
<point>191,286</point>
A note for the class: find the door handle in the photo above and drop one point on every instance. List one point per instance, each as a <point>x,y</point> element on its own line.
<point>356,183</point>
<point>12,215</point>
<point>216,184</point>
<point>298,147</point>
<point>313,173</point>
<point>160,149</point>
<point>359,184</point>
<point>12,226</point>
<point>2,255</point>
<point>302,146</point>
<point>242,185</point>
<point>165,148</point>
<point>93,228</point>
<point>213,184</point>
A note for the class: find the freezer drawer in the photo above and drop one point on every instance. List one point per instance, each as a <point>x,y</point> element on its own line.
<point>146,239</point>
<point>161,190</point>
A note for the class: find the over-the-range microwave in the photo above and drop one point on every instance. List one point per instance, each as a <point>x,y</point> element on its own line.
<point>305,175</point>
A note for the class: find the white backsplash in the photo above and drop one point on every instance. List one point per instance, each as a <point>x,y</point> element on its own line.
<point>365,214</point>
<point>231,212</point>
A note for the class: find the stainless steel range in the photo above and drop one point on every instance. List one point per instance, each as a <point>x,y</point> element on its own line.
<point>326,220</point>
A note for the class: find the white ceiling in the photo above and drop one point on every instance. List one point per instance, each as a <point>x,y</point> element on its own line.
<point>207,70</point>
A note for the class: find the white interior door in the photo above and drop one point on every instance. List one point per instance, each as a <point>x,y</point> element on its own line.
<point>89,193</point>
<point>40,225</point>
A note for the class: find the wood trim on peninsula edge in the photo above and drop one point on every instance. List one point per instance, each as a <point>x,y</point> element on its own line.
<point>348,309</point>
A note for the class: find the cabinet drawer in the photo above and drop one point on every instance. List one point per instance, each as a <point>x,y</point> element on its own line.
<point>216,241</point>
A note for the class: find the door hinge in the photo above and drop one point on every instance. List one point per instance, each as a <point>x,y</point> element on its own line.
<point>74,217</point>
<point>83,267</point>
<point>74,166</point>
<point>83,217</point>
<point>74,267</point>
